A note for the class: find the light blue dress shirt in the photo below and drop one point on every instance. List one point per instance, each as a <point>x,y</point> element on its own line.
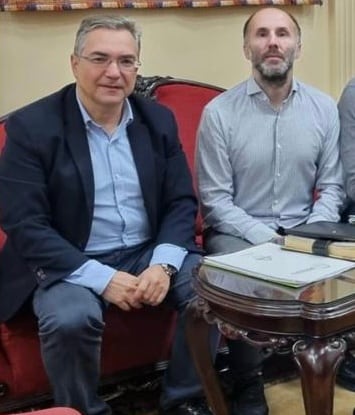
<point>120,219</point>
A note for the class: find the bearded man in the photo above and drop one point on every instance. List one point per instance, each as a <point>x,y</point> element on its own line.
<point>266,147</point>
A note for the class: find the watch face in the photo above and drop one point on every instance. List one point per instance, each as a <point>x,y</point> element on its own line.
<point>169,269</point>
<point>172,270</point>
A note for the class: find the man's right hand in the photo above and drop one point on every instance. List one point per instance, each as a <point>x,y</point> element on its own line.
<point>120,291</point>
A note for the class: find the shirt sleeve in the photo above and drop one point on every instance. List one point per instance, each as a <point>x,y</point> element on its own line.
<point>347,136</point>
<point>92,274</point>
<point>329,183</point>
<point>96,276</point>
<point>216,187</point>
<point>168,254</point>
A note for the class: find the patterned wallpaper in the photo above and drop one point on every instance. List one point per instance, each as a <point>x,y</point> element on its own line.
<point>61,5</point>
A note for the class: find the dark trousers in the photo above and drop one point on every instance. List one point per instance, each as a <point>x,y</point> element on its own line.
<point>349,210</point>
<point>71,321</point>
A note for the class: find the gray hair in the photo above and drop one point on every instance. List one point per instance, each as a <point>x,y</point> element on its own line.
<point>104,22</point>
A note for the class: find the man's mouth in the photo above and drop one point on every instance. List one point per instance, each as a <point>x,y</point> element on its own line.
<point>111,86</point>
<point>273,56</point>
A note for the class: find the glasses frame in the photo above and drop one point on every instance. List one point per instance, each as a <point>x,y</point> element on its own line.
<point>110,60</point>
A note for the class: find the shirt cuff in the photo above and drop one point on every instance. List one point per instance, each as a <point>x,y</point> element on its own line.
<point>259,234</point>
<point>168,254</point>
<point>92,274</point>
<point>316,218</point>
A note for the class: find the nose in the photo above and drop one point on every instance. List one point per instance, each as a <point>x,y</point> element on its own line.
<point>113,69</point>
<point>273,40</point>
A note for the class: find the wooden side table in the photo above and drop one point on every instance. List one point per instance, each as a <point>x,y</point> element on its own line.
<point>316,323</point>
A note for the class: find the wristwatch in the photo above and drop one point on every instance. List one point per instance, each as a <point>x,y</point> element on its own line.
<point>169,270</point>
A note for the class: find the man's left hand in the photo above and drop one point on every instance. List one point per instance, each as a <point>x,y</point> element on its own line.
<point>153,285</point>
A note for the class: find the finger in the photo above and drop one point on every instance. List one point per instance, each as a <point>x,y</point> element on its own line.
<point>153,291</point>
<point>159,294</point>
<point>142,289</point>
<point>132,301</point>
<point>135,303</point>
<point>123,305</point>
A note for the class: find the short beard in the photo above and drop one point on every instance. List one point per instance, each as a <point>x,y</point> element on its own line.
<point>274,76</point>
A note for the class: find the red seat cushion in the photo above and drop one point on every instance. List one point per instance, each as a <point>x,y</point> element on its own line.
<point>131,340</point>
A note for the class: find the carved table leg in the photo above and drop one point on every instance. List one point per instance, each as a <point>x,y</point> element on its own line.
<point>318,361</point>
<point>197,332</point>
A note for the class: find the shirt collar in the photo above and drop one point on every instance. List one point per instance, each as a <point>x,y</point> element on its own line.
<point>127,113</point>
<point>253,88</point>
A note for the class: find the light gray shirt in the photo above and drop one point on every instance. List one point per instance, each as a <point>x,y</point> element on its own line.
<point>259,169</point>
<point>347,136</point>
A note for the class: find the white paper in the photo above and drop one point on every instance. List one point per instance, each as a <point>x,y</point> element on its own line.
<point>270,262</point>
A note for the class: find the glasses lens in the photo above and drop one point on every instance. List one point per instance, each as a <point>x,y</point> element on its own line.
<point>124,64</point>
<point>127,64</point>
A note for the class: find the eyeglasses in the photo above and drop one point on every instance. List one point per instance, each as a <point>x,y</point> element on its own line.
<point>125,64</point>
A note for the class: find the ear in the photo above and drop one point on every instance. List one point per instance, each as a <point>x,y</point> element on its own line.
<point>298,50</point>
<point>74,60</point>
<point>246,50</point>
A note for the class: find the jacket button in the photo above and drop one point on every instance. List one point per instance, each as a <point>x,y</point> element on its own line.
<point>41,274</point>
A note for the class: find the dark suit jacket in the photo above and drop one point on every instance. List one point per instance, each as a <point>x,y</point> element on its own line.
<point>47,190</point>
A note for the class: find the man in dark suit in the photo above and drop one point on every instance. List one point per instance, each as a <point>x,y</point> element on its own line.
<point>97,203</point>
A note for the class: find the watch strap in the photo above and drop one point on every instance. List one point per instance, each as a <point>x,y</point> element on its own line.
<point>169,270</point>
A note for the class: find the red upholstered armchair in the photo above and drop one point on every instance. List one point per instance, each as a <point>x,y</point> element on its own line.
<point>22,378</point>
<point>186,99</point>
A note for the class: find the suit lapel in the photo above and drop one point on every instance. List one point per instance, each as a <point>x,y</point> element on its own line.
<point>141,146</point>
<point>75,135</point>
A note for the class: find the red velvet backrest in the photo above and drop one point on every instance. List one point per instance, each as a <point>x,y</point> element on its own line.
<point>186,99</point>
<point>2,143</point>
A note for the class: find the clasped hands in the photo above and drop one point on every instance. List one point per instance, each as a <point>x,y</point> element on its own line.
<point>128,291</point>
